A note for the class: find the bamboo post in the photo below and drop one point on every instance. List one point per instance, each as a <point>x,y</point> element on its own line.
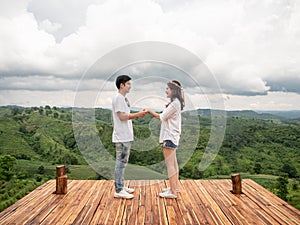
<point>236,184</point>
<point>61,180</point>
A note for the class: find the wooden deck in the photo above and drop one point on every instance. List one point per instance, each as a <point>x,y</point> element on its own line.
<point>199,202</point>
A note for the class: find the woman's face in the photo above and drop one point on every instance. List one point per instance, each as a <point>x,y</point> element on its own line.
<point>168,92</point>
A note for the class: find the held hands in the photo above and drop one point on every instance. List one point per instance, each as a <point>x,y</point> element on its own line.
<point>139,114</point>
<point>143,112</point>
<point>154,114</point>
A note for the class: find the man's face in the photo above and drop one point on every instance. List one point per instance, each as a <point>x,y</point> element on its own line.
<point>126,87</point>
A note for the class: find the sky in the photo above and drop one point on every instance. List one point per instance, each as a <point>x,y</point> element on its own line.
<point>251,49</point>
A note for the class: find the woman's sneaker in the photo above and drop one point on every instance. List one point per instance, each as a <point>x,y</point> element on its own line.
<point>167,194</point>
<point>123,194</point>
<point>129,190</point>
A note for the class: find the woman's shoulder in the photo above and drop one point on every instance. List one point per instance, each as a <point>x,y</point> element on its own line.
<point>176,103</point>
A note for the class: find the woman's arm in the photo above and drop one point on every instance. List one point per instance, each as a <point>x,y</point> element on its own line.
<point>156,115</point>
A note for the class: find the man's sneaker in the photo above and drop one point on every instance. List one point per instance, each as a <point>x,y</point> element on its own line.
<point>129,190</point>
<point>123,194</point>
<point>169,189</point>
<point>167,194</point>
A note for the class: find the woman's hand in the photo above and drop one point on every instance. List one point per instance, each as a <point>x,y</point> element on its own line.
<point>154,114</point>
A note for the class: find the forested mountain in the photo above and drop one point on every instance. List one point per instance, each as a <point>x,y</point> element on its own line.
<point>254,143</point>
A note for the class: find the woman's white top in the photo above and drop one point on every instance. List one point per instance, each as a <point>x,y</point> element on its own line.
<point>171,122</point>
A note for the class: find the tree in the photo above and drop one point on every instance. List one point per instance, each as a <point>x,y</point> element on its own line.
<point>41,169</point>
<point>7,163</point>
<point>281,186</point>
<point>290,170</point>
<point>55,115</point>
<point>16,111</point>
<point>257,168</point>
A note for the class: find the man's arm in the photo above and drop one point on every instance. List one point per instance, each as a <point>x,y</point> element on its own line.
<point>125,116</point>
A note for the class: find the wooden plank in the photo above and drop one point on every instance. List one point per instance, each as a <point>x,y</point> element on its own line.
<point>241,207</point>
<point>186,219</point>
<point>8,214</point>
<point>100,216</point>
<point>132,206</point>
<point>163,216</point>
<point>259,212</point>
<point>45,207</point>
<point>78,207</point>
<point>226,206</point>
<point>88,211</point>
<point>199,202</point>
<point>187,205</point>
<point>171,214</point>
<point>116,214</point>
<point>272,209</point>
<point>45,199</point>
<point>128,208</point>
<point>141,204</point>
<point>209,213</point>
<point>196,202</point>
<point>148,204</point>
<point>99,204</point>
<point>65,209</point>
<point>214,209</point>
<point>24,211</point>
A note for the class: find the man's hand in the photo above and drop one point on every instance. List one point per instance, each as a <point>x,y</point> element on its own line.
<point>142,113</point>
<point>139,114</point>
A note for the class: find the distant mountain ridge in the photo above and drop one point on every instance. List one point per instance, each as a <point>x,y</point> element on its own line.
<point>290,114</point>
<point>259,114</point>
<point>236,113</point>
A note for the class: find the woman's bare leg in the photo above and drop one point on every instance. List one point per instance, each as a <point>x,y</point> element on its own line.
<point>172,167</point>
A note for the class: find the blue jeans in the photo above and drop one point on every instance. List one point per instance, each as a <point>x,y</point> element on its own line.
<point>122,156</point>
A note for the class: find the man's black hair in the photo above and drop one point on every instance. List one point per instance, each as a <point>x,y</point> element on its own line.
<point>122,79</point>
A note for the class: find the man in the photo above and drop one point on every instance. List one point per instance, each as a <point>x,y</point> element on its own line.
<point>123,133</point>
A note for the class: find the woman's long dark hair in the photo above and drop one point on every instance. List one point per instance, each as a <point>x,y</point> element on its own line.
<point>177,92</point>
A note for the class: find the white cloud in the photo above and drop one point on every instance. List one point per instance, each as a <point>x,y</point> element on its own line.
<point>49,26</point>
<point>23,46</point>
<point>252,47</point>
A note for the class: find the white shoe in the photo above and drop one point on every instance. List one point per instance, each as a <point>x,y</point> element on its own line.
<point>123,194</point>
<point>129,190</point>
<point>169,189</point>
<point>167,194</point>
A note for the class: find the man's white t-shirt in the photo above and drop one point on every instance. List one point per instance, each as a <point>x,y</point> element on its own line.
<point>171,122</point>
<point>123,131</point>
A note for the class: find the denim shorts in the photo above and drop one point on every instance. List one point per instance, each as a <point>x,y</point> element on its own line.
<point>169,144</point>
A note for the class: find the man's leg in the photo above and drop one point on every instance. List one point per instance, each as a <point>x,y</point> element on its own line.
<point>122,156</point>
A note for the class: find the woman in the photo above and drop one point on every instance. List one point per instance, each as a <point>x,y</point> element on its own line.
<point>170,134</point>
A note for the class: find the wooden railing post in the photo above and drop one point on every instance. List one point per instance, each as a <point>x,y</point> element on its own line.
<point>236,184</point>
<point>61,180</point>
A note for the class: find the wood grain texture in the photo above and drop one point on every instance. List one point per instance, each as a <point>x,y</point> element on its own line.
<point>198,202</point>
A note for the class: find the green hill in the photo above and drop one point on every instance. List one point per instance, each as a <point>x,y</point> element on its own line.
<point>254,143</point>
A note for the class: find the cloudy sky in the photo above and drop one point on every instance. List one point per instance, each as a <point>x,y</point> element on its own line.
<point>250,47</point>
